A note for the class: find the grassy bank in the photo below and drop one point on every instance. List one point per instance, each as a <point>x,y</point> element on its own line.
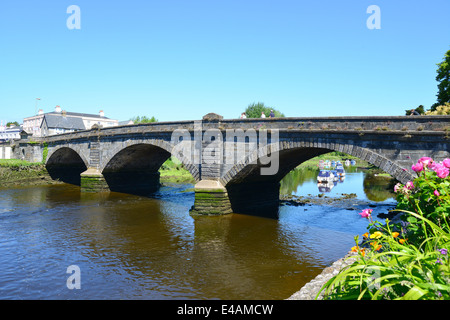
<point>21,173</point>
<point>173,171</point>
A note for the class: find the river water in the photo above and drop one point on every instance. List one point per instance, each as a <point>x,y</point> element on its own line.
<point>133,247</point>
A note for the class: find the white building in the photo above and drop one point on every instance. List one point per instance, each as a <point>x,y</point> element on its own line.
<point>7,134</point>
<point>34,124</point>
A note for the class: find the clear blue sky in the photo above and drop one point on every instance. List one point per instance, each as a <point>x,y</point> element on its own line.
<point>181,59</point>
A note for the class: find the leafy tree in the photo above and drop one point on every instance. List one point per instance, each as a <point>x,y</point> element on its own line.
<point>440,110</point>
<point>15,123</point>
<point>443,77</point>
<point>143,119</point>
<point>254,111</point>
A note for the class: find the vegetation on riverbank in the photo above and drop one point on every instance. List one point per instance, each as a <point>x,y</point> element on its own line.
<point>334,156</point>
<point>406,260</point>
<point>21,173</point>
<point>173,171</point>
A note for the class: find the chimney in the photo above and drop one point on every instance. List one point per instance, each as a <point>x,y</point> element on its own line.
<point>58,109</point>
<point>40,112</point>
<point>101,113</point>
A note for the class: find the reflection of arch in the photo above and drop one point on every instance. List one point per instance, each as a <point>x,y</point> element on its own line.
<point>143,156</point>
<point>291,154</point>
<point>65,164</point>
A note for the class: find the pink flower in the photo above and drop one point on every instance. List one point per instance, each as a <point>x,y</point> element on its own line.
<point>397,187</point>
<point>446,162</point>
<point>441,171</point>
<point>409,185</point>
<point>417,167</point>
<point>426,161</point>
<point>436,193</point>
<point>366,213</point>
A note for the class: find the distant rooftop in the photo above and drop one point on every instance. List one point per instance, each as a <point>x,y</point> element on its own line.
<point>77,114</point>
<point>57,120</point>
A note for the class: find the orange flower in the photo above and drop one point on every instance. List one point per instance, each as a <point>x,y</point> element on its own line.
<point>402,241</point>
<point>395,234</point>
<point>366,235</point>
<point>355,249</point>
<point>375,246</point>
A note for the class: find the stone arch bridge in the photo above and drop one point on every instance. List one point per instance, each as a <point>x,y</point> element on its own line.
<point>237,163</point>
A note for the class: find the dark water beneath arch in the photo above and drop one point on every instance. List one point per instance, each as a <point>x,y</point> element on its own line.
<point>130,247</point>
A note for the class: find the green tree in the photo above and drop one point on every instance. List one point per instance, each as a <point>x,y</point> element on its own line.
<point>143,119</point>
<point>443,77</point>
<point>15,123</point>
<point>254,110</point>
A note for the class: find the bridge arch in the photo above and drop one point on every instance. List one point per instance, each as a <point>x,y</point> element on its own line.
<point>161,145</point>
<point>66,164</point>
<point>292,154</point>
<point>250,192</point>
<point>133,166</point>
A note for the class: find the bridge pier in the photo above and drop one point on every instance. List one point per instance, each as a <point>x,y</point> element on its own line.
<point>211,198</point>
<point>93,181</point>
<point>257,198</point>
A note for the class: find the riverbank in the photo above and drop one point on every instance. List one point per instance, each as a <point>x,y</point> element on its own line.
<point>22,173</point>
<point>15,173</point>
<point>311,290</point>
<point>172,171</point>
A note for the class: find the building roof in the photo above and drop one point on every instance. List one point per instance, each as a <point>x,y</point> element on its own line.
<point>64,122</point>
<point>77,114</point>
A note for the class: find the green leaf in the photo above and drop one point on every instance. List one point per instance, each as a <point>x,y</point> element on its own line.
<point>414,293</point>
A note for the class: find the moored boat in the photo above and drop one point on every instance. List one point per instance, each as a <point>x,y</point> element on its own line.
<point>325,176</point>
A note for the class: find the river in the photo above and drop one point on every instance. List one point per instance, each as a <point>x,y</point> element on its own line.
<point>133,247</point>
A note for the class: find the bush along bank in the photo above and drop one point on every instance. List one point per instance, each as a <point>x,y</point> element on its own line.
<point>408,259</point>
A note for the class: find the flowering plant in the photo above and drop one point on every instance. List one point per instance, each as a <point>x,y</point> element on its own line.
<point>408,260</point>
<point>430,192</point>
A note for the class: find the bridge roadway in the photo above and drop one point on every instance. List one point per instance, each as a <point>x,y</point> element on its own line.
<point>237,163</point>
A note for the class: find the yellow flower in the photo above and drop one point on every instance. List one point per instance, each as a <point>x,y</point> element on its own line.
<point>355,249</point>
<point>366,235</point>
<point>395,234</point>
<point>376,235</point>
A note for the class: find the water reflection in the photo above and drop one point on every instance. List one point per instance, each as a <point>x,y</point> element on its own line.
<point>130,247</point>
<point>366,186</point>
<point>134,247</point>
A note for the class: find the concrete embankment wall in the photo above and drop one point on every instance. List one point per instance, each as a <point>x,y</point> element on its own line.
<point>5,152</point>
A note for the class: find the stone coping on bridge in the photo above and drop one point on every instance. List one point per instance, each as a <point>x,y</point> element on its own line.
<point>403,125</point>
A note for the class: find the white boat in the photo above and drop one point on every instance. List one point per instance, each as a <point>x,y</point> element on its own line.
<point>335,174</point>
<point>325,176</point>
<point>340,171</point>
